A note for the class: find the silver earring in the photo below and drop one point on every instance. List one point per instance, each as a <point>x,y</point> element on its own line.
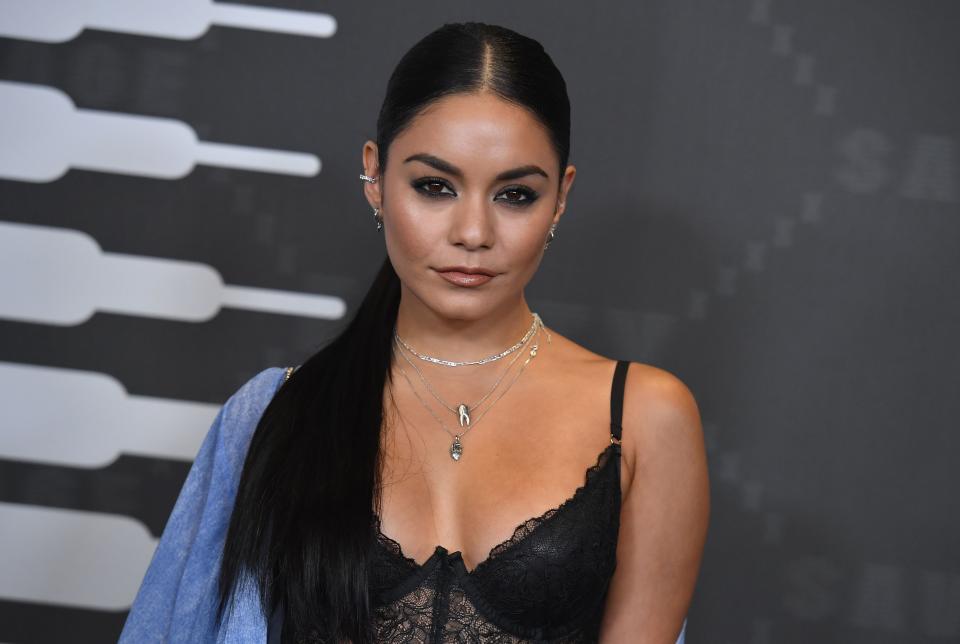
<point>551,236</point>
<point>378,217</point>
<point>364,177</point>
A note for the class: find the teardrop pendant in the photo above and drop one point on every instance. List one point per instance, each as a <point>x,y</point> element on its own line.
<point>456,449</point>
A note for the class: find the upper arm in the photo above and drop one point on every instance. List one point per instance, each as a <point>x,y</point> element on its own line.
<point>665,510</point>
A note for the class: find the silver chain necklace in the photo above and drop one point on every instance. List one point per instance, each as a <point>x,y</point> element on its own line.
<point>537,322</point>
<point>456,448</point>
<point>462,410</point>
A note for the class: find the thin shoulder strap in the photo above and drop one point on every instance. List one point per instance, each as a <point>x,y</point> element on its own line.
<point>616,399</point>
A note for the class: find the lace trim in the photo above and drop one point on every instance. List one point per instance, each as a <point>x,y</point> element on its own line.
<point>394,546</point>
<point>521,532</point>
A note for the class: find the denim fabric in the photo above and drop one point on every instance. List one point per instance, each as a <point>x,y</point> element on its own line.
<point>177,599</point>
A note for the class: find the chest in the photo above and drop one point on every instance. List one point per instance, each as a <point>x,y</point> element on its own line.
<point>521,463</point>
<point>548,581</point>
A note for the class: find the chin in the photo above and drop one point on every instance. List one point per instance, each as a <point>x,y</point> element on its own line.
<point>465,311</point>
<point>467,305</point>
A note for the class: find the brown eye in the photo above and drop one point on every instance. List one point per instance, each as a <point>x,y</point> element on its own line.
<point>518,196</point>
<point>432,187</point>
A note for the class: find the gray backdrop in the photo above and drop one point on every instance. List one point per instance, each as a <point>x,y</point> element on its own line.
<point>766,205</point>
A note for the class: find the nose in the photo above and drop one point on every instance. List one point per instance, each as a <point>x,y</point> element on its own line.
<point>471,223</point>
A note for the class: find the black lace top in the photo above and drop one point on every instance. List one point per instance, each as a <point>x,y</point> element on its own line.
<point>546,583</point>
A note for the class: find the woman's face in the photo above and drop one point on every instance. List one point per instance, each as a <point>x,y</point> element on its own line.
<point>472,182</point>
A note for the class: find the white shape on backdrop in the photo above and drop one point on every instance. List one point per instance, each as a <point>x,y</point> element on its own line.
<point>60,276</point>
<point>87,419</point>
<point>43,135</point>
<point>62,20</point>
<point>71,557</point>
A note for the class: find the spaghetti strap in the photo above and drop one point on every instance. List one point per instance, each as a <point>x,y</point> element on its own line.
<point>616,399</point>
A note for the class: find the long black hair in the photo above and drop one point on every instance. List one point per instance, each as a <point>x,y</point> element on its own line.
<point>301,527</point>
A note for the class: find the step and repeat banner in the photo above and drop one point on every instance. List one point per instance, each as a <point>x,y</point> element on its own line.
<point>779,180</point>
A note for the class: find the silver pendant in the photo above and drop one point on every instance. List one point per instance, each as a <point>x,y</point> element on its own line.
<point>456,449</point>
<point>464,415</point>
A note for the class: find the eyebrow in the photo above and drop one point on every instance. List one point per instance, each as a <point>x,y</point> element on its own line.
<point>449,168</point>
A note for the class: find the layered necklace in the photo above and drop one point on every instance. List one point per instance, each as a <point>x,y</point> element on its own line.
<point>462,411</point>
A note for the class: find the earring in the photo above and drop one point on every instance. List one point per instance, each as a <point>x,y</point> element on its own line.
<point>553,227</point>
<point>364,177</point>
<point>378,217</point>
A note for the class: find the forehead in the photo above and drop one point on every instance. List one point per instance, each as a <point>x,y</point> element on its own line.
<point>479,133</point>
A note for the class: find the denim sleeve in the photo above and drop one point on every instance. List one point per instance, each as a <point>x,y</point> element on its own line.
<point>177,599</point>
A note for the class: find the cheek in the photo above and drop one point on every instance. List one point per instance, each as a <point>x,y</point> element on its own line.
<point>411,233</point>
<point>523,241</point>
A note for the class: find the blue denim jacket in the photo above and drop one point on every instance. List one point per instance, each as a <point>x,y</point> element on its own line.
<point>177,599</point>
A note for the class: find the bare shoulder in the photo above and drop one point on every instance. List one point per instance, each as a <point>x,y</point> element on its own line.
<point>661,418</point>
<point>665,509</point>
<point>662,429</point>
<point>659,405</point>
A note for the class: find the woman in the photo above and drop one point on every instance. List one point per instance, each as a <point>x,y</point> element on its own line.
<point>352,499</point>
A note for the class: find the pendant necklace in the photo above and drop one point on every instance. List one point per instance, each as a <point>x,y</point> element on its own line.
<point>462,411</point>
<point>456,447</point>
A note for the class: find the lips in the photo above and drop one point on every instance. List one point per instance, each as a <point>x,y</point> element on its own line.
<point>466,270</point>
<point>466,276</point>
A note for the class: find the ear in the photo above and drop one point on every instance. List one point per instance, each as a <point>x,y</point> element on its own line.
<point>565,182</point>
<point>371,168</point>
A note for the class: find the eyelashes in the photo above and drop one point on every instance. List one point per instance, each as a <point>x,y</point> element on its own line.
<point>421,186</point>
<point>432,188</point>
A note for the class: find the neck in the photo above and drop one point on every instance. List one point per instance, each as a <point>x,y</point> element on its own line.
<point>461,338</point>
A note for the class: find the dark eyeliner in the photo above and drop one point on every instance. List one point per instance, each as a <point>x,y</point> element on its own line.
<point>418,184</point>
<point>530,196</point>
